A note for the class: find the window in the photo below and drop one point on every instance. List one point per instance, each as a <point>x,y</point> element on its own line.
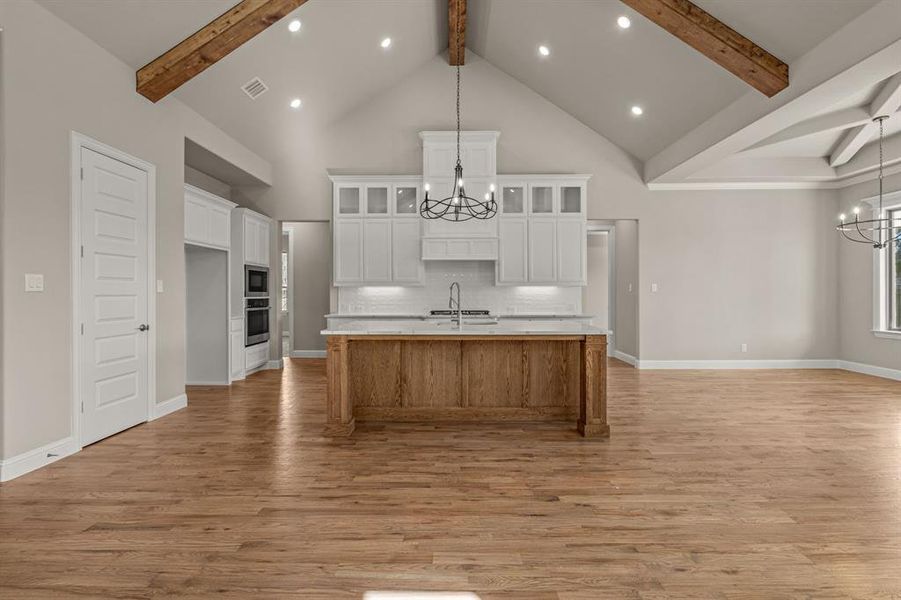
<point>893,277</point>
<point>284,294</point>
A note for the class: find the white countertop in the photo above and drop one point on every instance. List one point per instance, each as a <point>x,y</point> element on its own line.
<point>473,327</point>
<point>422,316</point>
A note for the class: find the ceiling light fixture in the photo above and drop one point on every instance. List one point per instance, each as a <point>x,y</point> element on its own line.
<point>882,230</point>
<point>544,51</point>
<point>296,103</point>
<point>624,22</point>
<point>458,206</point>
<point>294,26</point>
<point>637,110</point>
<point>386,42</point>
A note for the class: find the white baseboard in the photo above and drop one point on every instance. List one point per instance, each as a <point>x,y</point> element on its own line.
<point>207,382</point>
<point>626,358</point>
<point>274,364</point>
<point>870,370</point>
<point>26,462</point>
<point>169,406</point>
<point>739,364</point>
<point>307,353</point>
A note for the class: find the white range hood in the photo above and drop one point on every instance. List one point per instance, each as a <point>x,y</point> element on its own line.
<point>469,240</point>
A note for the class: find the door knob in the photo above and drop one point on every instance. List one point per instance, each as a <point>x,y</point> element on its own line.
<point>143,327</point>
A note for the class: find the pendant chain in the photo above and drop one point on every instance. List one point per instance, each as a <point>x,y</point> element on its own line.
<point>458,115</point>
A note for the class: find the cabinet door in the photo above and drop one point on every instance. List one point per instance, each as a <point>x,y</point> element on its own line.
<point>237,351</point>
<point>513,251</point>
<point>512,199</point>
<point>406,200</point>
<point>196,220</point>
<point>572,199</point>
<point>348,251</point>
<point>541,199</point>
<point>406,259</point>
<point>571,252</point>
<point>376,251</point>
<point>377,200</point>
<point>348,201</point>
<point>542,250</point>
<point>263,242</point>
<point>251,240</point>
<point>220,232</point>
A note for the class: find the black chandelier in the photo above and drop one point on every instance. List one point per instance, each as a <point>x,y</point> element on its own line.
<point>880,231</point>
<point>458,206</point>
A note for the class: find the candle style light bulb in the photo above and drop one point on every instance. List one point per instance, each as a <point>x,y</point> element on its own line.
<point>460,182</point>
<point>491,188</point>
<point>487,196</point>
<point>427,187</point>
<point>841,217</point>
<point>856,210</point>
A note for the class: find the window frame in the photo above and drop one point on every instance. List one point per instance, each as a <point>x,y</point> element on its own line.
<point>882,279</point>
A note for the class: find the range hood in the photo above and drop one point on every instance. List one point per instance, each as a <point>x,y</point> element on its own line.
<point>459,248</point>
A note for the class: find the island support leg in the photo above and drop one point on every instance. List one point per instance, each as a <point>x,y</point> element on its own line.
<point>340,407</point>
<point>593,387</point>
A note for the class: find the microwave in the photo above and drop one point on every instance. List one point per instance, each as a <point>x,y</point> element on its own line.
<point>256,281</point>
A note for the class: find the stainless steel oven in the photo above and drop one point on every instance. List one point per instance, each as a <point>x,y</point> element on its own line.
<point>256,282</point>
<point>256,322</point>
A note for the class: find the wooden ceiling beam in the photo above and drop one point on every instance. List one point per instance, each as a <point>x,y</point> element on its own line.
<point>165,74</point>
<point>456,32</point>
<point>717,41</point>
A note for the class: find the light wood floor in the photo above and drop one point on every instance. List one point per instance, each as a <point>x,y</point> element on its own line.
<point>741,484</point>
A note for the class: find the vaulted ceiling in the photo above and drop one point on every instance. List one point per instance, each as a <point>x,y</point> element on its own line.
<point>595,71</point>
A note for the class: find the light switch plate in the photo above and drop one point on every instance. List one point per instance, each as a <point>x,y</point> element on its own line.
<point>34,282</point>
<point>159,286</point>
<point>653,287</point>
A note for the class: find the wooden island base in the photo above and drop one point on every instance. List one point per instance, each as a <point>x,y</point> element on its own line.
<point>467,378</point>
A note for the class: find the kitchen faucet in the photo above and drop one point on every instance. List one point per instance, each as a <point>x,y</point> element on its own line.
<point>456,304</point>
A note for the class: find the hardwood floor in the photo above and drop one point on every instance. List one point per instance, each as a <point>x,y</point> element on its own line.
<point>713,484</point>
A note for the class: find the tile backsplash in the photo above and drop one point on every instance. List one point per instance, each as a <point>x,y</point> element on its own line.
<point>476,279</point>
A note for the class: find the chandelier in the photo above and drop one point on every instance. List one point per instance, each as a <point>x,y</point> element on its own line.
<point>458,206</point>
<point>880,231</point>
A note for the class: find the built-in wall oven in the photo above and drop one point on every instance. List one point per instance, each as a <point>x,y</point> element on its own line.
<point>256,282</point>
<point>256,322</point>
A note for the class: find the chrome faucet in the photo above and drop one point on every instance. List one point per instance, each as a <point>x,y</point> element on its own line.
<point>456,304</point>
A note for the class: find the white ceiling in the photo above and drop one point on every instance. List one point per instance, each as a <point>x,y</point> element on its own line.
<point>596,71</point>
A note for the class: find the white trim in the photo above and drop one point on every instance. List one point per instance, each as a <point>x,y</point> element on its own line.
<point>308,353</point>
<point>739,364</point>
<point>77,141</point>
<point>273,364</point>
<point>169,406</point>
<point>870,370</point>
<point>207,383</point>
<point>626,358</point>
<point>888,335</point>
<point>27,462</point>
<point>828,184</point>
<point>290,233</point>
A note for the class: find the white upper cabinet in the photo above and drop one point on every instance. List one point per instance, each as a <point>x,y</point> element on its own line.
<point>256,239</point>
<point>512,199</point>
<point>541,199</point>
<point>572,252</point>
<point>376,231</point>
<point>513,251</point>
<point>207,219</point>
<point>542,250</point>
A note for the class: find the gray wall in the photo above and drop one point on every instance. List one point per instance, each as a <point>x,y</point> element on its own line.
<point>625,328</point>
<point>206,308</point>
<point>858,344</point>
<point>727,274</point>
<point>73,84</point>
<point>312,280</point>
<point>207,183</point>
<point>595,296</point>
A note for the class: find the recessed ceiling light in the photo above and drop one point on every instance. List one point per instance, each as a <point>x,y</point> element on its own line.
<point>386,42</point>
<point>637,111</point>
<point>296,103</point>
<point>624,22</point>
<point>544,51</point>
<point>294,26</point>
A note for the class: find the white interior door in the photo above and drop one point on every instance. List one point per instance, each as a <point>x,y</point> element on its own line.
<point>114,303</point>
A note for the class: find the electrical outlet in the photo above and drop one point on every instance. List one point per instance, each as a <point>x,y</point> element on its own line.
<point>34,282</point>
<point>744,347</point>
<point>653,287</point>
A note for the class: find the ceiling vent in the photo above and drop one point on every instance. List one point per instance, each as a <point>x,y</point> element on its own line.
<point>254,88</point>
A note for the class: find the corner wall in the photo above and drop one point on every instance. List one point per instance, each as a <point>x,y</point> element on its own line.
<point>57,80</point>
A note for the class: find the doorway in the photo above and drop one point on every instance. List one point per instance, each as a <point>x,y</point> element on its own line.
<point>307,285</point>
<point>206,312</point>
<point>113,268</point>
<point>598,299</point>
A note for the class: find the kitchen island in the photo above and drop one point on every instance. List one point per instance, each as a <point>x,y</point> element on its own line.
<point>424,371</point>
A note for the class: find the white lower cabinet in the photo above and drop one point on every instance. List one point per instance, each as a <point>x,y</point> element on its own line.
<point>377,251</point>
<point>256,356</point>
<point>542,250</point>
<point>236,340</point>
<point>513,250</point>
<point>406,261</point>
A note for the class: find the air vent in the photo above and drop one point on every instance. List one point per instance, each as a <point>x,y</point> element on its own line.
<point>254,88</point>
